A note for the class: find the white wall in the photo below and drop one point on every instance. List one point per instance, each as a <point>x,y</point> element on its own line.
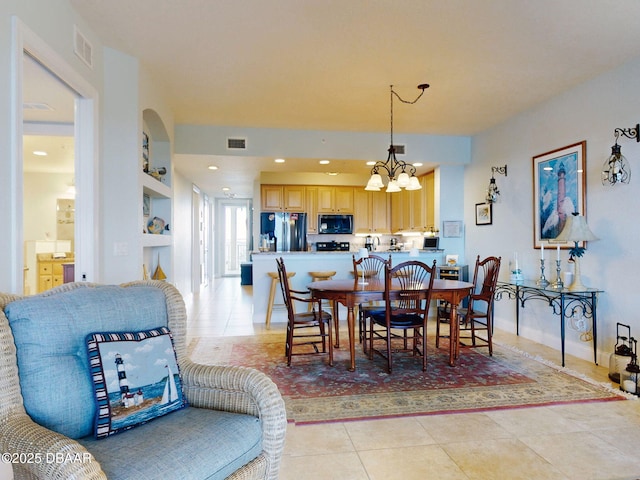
<point>181,231</point>
<point>589,112</point>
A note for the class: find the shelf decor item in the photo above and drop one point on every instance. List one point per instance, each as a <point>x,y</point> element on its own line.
<point>559,189</point>
<point>159,273</point>
<point>156,226</point>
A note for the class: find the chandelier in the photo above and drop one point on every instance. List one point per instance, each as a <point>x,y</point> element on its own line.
<point>399,173</point>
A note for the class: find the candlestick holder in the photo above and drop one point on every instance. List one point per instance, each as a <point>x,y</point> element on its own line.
<point>558,283</point>
<point>542,282</point>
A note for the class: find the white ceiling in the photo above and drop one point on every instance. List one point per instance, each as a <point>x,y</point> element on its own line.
<point>328,64</point>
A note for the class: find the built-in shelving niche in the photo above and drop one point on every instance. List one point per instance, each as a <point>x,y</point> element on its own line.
<point>156,194</point>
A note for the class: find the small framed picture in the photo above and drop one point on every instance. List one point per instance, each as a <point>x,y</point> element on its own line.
<point>452,229</point>
<point>451,260</point>
<point>146,205</point>
<point>484,213</point>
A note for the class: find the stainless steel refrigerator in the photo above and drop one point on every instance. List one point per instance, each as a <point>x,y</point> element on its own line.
<point>284,232</point>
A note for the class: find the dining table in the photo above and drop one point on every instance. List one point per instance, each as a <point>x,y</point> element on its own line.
<point>352,292</point>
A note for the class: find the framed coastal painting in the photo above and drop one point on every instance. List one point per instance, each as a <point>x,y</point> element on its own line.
<point>559,186</point>
<point>484,214</point>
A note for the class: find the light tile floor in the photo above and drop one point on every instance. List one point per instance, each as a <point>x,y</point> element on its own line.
<point>599,441</point>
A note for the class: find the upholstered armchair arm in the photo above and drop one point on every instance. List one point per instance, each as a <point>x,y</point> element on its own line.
<point>37,452</point>
<point>241,390</point>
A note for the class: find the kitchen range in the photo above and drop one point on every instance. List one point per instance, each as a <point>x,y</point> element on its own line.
<point>333,246</point>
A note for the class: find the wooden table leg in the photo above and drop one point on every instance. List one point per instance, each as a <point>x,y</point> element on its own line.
<point>454,334</point>
<point>336,323</point>
<point>352,337</point>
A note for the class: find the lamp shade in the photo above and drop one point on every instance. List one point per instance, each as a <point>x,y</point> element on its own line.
<point>414,184</point>
<point>403,179</point>
<point>576,230</point>
<point>393,186</point>
<point>363,253</point>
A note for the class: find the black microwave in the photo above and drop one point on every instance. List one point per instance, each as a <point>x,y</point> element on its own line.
<point>335,224</point>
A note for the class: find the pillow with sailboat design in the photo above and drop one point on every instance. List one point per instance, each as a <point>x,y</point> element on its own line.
<point>135,378</point>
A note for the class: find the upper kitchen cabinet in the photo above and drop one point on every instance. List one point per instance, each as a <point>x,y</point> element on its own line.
<point>413,210</point>
<point>283,198</point>
<point>272,198</point>
<point>294,198</point>
<point>335,199</point>
<point>372,212</point>
<point>311,201</point>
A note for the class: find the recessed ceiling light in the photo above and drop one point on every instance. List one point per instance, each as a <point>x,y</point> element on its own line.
<point>333,174</point>
<point>225,189</point>
<point>371,162</point>
<point>40,153</point>
<point>279,160</point>
<point>417,164</point>
<point>213,167</point>
<point>324,162</point>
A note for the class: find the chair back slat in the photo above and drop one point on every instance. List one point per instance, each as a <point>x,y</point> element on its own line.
<point>408,288</point>
<point>284,286</point>
<point>373,266</point>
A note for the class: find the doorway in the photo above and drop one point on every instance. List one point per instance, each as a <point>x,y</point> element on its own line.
<point>233,231</point>
<point>48,217</point>
<point>82,127</point>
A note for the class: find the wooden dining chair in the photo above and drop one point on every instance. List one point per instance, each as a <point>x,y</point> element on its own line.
<point>478,315</point>
<point>373,266</point>
<point>308,329</point>
<point>407,296</point>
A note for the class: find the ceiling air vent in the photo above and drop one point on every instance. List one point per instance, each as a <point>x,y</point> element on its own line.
<point>236,143</point>
<point>82,48</point>
<point>399,149</point>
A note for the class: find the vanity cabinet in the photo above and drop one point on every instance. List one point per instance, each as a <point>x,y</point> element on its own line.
<point>51,270</point>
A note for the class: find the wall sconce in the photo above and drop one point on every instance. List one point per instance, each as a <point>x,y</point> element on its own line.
<point>492,189</point>
<point>616,169</point>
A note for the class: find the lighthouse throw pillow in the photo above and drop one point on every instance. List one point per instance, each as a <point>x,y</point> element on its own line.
<point>135,378</point>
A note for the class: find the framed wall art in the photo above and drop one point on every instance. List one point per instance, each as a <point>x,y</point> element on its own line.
<point>559,189</point>
<point>484,213</point>
<point>452,229</point>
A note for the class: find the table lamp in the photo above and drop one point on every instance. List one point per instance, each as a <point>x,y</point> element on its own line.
<point>576,230</point>
<point>363,253</point>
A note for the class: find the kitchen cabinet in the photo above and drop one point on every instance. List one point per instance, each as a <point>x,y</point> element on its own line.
<point>409,208</point>
<point>282,198</point>
<point>294,198</point>
<point>272,198</point>
<point>335,199</point>
<point>311,200</point>
<point>372,212</point>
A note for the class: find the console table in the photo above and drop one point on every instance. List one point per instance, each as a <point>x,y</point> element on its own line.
<point>565,303</point>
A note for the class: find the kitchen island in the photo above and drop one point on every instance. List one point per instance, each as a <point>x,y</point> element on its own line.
<point>304,262</point>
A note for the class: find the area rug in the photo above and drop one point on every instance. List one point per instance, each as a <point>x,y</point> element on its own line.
<point>315,392</point>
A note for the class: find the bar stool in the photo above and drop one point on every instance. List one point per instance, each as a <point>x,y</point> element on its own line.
<point>321,275</point>
<point>275,279</point>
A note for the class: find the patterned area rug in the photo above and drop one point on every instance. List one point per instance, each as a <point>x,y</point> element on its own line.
<point>315,392</point>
